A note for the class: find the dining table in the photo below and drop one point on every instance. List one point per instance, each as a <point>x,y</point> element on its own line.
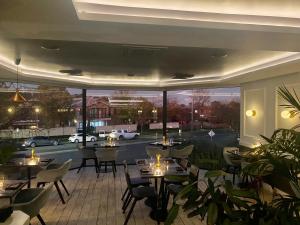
<point>30,164</point>
<point>149,169</point>
<point>11,188</point>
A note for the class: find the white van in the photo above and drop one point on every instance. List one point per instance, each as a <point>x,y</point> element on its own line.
<point>103,134</point>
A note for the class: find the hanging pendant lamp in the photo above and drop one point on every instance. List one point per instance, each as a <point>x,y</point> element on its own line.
<point>17,97</point>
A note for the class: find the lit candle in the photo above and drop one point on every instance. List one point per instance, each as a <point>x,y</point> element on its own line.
<point>2,180</point>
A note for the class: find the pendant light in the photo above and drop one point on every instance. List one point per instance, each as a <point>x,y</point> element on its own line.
<point>17,97</point>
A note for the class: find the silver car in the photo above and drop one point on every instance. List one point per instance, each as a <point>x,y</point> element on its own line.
<point>39,141</point>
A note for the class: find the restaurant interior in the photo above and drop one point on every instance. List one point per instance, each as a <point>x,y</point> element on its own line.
<point>158,47</point>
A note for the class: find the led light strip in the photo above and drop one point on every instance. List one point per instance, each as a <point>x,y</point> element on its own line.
<point>29,72</point>
<point>103,11</point>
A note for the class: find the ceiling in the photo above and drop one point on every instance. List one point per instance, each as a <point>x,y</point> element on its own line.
<point>142,44</point>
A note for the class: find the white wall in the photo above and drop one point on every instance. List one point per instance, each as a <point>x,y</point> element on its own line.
<point>262,97</point>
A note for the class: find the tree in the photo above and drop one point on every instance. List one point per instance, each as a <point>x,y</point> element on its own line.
<point>228,113</point>
<point>56,106</point>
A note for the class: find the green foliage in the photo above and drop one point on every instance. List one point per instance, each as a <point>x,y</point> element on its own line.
<point>6,152</point>
<point>207,155</point>
<point>292,98</point>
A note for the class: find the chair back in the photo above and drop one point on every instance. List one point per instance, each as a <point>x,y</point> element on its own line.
<point>184,163</point>
<point>53,175</point>
<point>152,151</point>
<point>87,153</point>
<point>33,206</point>
<point>227,153</point>
<point>127,176</point>
<point>106,154</point>
<point>66,166</point>
<point>182,153</point>
<point>194,171</point>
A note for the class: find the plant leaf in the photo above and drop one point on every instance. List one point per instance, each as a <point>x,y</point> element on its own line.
<point>212,213</point>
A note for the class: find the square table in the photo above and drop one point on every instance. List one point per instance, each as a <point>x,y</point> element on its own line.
<point>12,188</point>
<point>29,164</point>
<point>169,167</point>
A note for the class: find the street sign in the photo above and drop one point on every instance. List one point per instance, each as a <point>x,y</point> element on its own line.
<point>211,134</point>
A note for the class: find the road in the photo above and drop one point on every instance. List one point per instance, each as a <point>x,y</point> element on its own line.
<point>129,149</point>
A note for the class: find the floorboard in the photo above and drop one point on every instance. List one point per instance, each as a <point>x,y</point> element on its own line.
<point>97,201</point>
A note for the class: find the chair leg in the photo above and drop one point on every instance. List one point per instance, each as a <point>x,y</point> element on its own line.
<point>126,199</point>
<point>124,194</point>
<point>41,219</point>
<point>59,193</point>
<point>81,165</point>
<point>233,178</point>
<point>96,165</point>
<point>127,203</point>
<point>62,183</point>
<point>130,212</point>
<point>113,168</point>
<point>105,164</point>
<point>168,198</point>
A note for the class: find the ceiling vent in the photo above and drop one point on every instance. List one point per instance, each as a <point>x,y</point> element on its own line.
<point>182,76</point>
<point>72,72</point>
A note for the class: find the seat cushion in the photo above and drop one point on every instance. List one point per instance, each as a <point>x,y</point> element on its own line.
<point>27,195</point>
<point>143,192</point>
<point>137,181</point>
<point>174,189</point>
<point>170,181</point>
<point>54,166</point>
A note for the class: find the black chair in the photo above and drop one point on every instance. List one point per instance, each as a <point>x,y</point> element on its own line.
<point>173,188</point>
<point>88,154</point>
<point>135,182</point>
<point>233,162</point>
<point>184,163</point>
<point>137,194</point>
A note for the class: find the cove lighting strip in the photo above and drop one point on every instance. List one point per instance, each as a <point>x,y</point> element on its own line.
<point>87,80</point>
<point>120,11</point>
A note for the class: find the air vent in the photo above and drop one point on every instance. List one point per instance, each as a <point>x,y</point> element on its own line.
<point>182,76</point>
<point>219,54</point>
<point>50,47</point>
<point>73,72</point>
<point>142,50</point>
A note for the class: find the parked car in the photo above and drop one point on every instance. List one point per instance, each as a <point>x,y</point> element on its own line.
<point>103,134</point>
<point>39,141</point>
<point>76,138</point>
<point>123,134</point>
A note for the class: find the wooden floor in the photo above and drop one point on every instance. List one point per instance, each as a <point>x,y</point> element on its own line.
<point>95,201</point>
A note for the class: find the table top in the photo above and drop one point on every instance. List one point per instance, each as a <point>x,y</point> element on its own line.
<point>107,145</point>
<point>12,187</point>
<point>28,162</point>
<point>160,143</point>
<point>17,218</point>
<point>169,167</point>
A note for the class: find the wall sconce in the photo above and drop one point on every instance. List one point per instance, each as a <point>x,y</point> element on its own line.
<point>286,114</point>
<point>250,113</point>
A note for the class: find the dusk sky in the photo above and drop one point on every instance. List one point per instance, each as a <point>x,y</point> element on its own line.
<point>183,96</point>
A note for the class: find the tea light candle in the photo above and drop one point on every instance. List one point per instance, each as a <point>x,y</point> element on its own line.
<point>158,172</point>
